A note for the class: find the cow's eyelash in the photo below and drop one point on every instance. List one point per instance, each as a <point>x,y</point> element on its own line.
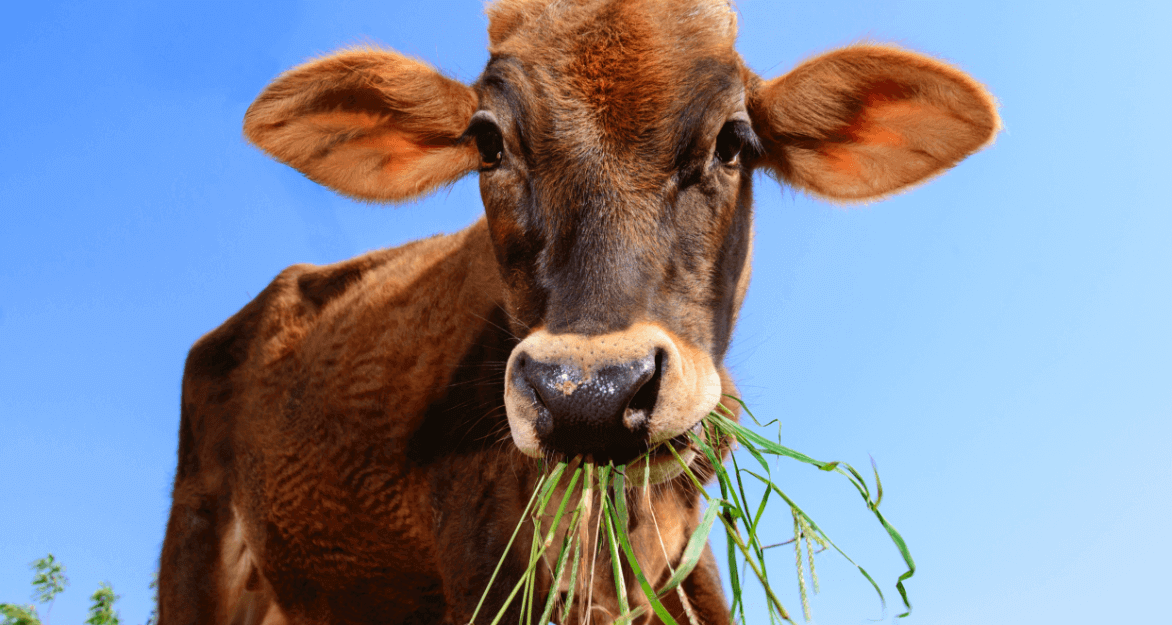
<point>753,147</point>
<point>750,143</point>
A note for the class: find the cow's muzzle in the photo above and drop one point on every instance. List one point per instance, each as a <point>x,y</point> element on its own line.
<point>611,397</point>
<point>602,413</point>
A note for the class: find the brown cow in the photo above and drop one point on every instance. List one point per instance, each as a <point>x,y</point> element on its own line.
<point>345,452</point>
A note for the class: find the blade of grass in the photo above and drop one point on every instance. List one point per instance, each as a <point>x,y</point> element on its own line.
<point>814,525</point>
<point>508,546</point>
<point>733,534</point>
<point>740,504</point>
<point>738,512</point>
<point>744,434</point>
<point>859,483</point>
<point>620,584</point>
<point>734,578</point>
<point>525,581</point>
<point>619,519</point>
<point>716,507</point>
<point>583,515</point>
<point>563,554</point>
<point>525,616</point>
<point>693,551</point>
<point>798,563</point>
<point>594,546</point>
<point>735,537</point>
<point>539,549</point>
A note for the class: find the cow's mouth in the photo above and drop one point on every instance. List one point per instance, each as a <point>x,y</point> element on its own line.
<point>663,461</point>
<point>680,442</point>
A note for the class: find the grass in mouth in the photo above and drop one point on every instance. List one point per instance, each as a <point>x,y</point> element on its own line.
<point>578,542</point>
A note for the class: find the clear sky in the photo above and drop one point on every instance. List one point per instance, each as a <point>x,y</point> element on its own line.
<point>998,340</point>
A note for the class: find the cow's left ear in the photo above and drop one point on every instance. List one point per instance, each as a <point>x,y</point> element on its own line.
<point>372,124</point>
<point>865,121</point>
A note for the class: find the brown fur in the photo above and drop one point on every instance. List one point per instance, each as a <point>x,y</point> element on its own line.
<point>358,443</point>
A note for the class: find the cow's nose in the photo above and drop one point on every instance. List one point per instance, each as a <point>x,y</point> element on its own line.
<point>601,413</point>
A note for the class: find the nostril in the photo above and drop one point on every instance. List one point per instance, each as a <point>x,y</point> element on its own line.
<point>544,422</point>
<point>642,404</point>
<point>528,383</point>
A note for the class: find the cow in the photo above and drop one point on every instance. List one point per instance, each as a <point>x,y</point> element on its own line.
<point>359,441</point>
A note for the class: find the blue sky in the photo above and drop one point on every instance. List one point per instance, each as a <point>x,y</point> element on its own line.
<point>998,340</point>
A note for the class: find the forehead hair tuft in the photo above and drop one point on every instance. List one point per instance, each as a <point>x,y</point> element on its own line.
<point>508,18</point>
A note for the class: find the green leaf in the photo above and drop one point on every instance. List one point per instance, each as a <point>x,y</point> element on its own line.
<point>619,517</point>
<point>564,557</point>
<point>693,551</point>
<point>750,439</point>
<point>744,434</point>
<point>153,619</point>
<point>102,610</point>
<point>19,614</point>
<point>49,580</point>
<point>508,546</point>
<point>815,527</point>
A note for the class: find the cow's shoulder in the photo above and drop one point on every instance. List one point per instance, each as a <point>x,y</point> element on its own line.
<point>344,338</point>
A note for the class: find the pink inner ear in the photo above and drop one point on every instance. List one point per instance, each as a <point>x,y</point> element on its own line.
<point>884,123</point>
<point>878,125</point>
<point>842,161</point>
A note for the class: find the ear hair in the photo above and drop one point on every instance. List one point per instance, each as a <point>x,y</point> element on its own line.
<point>369,123</point>
<point>866,121</point>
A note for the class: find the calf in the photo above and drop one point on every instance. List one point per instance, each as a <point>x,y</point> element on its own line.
<point>358,443</point>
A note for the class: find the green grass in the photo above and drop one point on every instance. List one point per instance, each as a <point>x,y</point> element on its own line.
<point>578,542</point>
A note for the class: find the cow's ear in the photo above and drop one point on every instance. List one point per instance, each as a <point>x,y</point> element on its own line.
<point>866,121</point>
<point>372,124</point>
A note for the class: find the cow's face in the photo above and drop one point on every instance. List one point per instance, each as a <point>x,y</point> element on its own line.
<point>615,144</point>
<point>615,169</point>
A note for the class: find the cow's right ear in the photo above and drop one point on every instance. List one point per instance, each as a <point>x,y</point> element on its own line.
<point>372,124</point>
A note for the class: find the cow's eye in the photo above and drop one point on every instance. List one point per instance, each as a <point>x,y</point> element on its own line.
<point>736,142</point>
<point>491,146</point>
<point>729,144</point>
<point>484,130</point>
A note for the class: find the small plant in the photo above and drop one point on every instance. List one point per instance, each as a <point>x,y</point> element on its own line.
<point>153,619</point>
<point>48,581</point>
<point>605,488</point>
<point>19,614</point>
<point>102,610</point>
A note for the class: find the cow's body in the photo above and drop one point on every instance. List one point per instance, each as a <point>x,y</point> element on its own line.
<point>344,444</point>
<point>359,442</point>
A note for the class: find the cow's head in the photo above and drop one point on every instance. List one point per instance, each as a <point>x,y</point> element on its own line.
<point>615,143</point>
